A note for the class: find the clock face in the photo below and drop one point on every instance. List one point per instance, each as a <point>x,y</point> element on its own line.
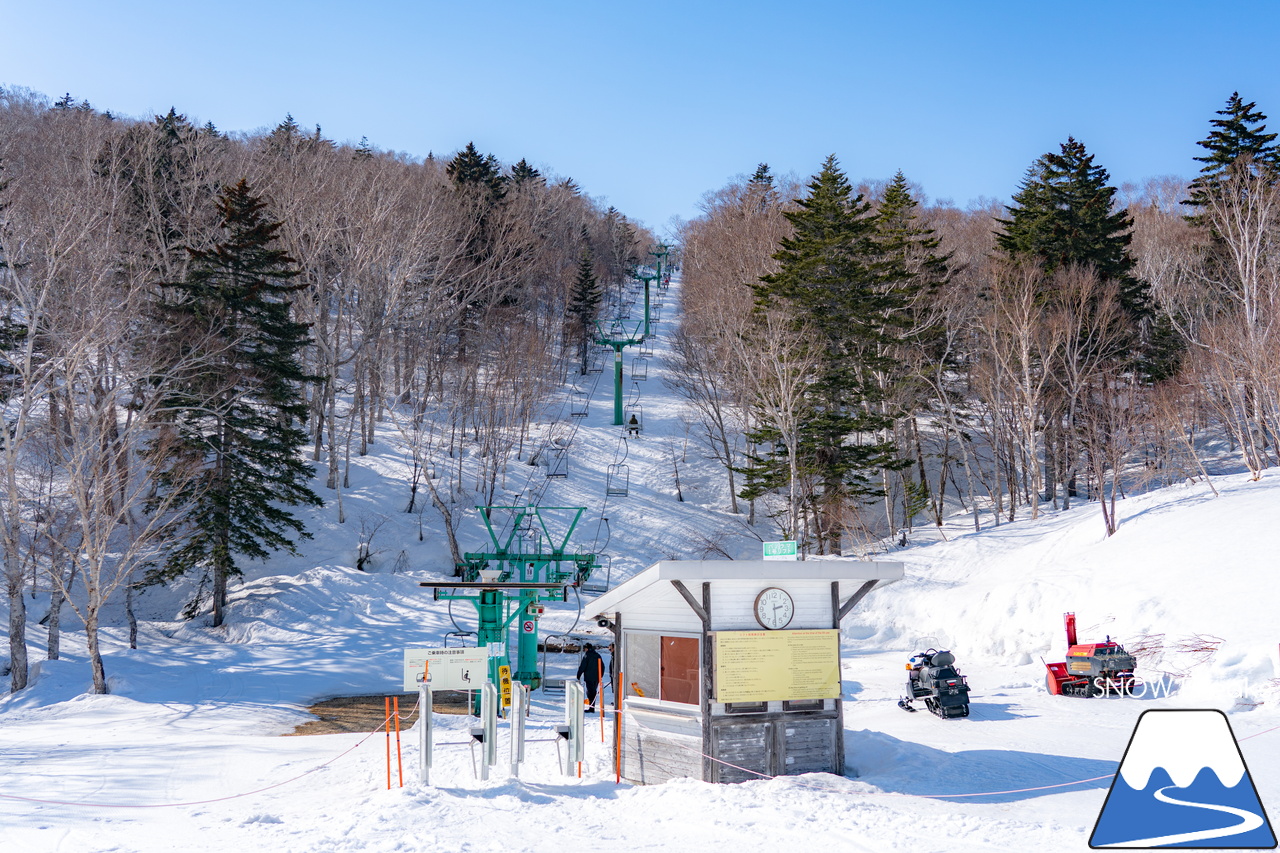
<point>774,608</point>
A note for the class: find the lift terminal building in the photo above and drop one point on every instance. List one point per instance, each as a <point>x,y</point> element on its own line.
<point>729,670</point>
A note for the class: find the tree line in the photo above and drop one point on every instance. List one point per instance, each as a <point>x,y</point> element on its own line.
<point>860,362</point>
<point>191,322</point>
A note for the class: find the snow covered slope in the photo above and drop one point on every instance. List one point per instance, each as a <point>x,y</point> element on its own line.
<point>185,752</point>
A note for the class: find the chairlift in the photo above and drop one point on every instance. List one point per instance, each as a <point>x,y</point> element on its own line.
<point>528,540</point>
<point>640,368</point>
<point>633,419</point>
<point>563,642</point>
<point>579,404</point>
<point>655,313</point>
<point>460,636</point>
<point>557,461</point>
<point>595,365</point>
<point>617,480</point>
<point>646,349</point>
<point>598,583</point>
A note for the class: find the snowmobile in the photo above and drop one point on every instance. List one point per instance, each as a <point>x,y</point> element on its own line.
<point>932,676</point>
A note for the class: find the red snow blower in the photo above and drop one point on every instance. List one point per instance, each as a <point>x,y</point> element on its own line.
<point>1091,669</point>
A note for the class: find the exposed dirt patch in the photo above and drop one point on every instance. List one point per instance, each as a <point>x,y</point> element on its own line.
<point>351,714</point>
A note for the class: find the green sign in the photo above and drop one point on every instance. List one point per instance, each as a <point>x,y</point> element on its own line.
<point>780,551</point>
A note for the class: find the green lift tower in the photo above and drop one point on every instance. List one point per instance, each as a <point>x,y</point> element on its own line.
<point>509,584</point>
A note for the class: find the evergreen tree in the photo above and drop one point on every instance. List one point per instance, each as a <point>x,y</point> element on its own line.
<point>1064,214</point>
<point>168,195</point>
<point>364,151</point>
<point>239,415</point>
<point>13,331</point>
<point>285,134</point>
<point>470,168</point>
<point>908,246</point>
<point>623,252</point>
<point>760,192</point>
<point>1239,137</point>
<point>522,173</point>
<point>831,278</point>
<point>913,269</point>
<point>584,303</point>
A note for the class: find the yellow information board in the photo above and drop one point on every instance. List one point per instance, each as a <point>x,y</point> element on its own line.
<point>504,684</point>
<point>763,666</point>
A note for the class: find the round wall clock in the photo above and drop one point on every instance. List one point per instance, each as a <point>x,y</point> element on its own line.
<point>774,608</point>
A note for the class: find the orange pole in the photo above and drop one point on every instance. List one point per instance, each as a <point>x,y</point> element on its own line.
<point>600,698</point>
<point>385,721</point>
<point>399,756</point>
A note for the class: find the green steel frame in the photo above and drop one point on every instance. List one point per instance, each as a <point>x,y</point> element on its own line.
<point>618,341</point>
<point>526,579</point>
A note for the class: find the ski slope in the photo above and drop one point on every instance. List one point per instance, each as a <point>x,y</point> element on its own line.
<point>185,752</point>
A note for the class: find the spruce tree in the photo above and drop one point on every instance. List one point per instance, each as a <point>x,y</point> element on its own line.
<point>760,191</point>
<point>584,303</point>
<point>1238,138</point>
<point>522,173</point>
<point>830,277</point>
<point>1064,214</point>
<point>469,168</point>
<point>908,246</point>
<point>913,269</point>
<point>238,414</point>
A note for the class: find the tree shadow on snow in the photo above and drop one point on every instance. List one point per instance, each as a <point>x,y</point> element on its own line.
<point>999,775</point>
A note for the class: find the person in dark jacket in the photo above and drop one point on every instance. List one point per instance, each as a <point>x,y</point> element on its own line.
<point>589,671</point>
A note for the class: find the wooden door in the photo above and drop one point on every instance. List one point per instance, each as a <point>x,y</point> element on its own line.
<point>680,670</point>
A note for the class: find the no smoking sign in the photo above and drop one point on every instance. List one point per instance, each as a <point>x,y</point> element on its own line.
<point>527,626</point>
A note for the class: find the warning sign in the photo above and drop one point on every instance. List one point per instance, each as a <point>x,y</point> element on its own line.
<point>451,669</point>
<point>528,626</point>
<point>504,684</point>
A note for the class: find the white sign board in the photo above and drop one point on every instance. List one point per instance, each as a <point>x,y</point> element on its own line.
<point>780,551</point>
<point>450,669</point>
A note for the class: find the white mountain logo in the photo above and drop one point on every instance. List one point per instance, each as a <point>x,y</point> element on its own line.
<point>1183,783</point>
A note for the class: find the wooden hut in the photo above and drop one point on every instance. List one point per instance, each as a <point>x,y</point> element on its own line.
<point>729,670</point>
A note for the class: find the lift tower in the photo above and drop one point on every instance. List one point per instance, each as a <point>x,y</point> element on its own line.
<point>509,584</point>
<point>618,337</point>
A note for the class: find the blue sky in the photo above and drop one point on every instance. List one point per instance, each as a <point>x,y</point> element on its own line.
<point>648,106</point>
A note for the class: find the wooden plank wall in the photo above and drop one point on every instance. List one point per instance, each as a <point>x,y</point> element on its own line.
<point>651,755</point>
<point>782,744</point>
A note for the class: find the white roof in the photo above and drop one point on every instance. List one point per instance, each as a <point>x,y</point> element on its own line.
<point>698,571</point>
